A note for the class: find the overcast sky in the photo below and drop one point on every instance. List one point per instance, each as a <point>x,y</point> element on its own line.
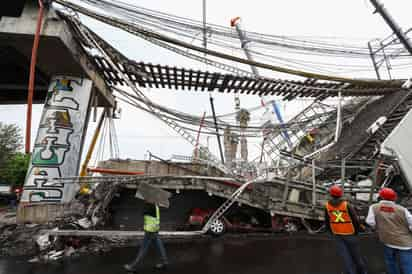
<point>139,132</point>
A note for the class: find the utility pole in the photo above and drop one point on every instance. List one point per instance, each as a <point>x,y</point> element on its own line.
<point>375,65</point>
<point>235,22</point>
<point>204,25</point>
<point>217,130</point>
<point>244,42</point>
<point>222,158</point>
<point>392,24</point>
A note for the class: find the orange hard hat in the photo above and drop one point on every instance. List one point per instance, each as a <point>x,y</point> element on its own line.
<point>336,191</point>
<point>387,193</point>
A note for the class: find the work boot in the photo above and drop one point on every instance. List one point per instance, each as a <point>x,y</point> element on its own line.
<point>161,266</point>
<point>130,268</point>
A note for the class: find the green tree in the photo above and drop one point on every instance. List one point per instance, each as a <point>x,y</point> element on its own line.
<point>15,169</point>
<point>13,164</point>
<point>10,142</point>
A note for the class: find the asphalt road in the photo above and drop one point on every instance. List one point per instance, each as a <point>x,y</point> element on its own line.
<point>277,254</point>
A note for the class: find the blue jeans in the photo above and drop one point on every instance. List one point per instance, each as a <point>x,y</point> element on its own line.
<point>348,248</point>
<point>392,255</point>
<point>149,237</point>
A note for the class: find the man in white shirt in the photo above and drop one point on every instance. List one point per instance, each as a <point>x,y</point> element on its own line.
<point>394,225</point>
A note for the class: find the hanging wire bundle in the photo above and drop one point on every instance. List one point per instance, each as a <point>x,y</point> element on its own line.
<point>331,55</point>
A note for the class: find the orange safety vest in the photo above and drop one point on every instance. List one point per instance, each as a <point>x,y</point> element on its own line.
<point>339,219</point>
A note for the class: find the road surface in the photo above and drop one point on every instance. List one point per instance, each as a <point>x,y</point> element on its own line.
<point>241,255</point>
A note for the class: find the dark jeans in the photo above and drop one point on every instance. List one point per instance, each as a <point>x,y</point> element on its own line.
<point>392,255</point>
<point>149,237</point>
<point>348,248</point>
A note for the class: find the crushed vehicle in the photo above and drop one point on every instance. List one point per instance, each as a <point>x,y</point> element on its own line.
<point>238,219</point>
<point>8,193</point>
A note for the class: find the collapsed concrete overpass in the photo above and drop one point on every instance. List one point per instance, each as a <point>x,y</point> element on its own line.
<point>59,54</point>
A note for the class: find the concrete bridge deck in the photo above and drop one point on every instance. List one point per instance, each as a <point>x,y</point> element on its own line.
<point>59,53</point>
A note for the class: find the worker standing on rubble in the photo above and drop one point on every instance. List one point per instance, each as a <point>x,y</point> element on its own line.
<point>342,221</point>
<point>394,225</point>
<point>151,218</point>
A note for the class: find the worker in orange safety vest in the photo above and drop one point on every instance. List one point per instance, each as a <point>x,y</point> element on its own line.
<point>342,221</point>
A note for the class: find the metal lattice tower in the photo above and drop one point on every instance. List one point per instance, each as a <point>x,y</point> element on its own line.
<point>311,117</point>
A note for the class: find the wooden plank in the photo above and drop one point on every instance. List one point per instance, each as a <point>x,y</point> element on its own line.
<point>115,72</point>
<point>252,88</point>
<point>289,89</point>
<point>106,74</point>
<point>284,90</point>
<point>139,78</point>
<point>249,85</point>
<point>237,82</point>
<point>265,87</point>
<point>144,69</point>
<point>274,89</point>
<point>190,79</point>
<point>153,75</point>
<point>197,79</point>
<point>245,84</point>
<point>182,80</point>
<point>175,77</point>
<point>205,79</point>
<point>213,82</point>
<point>258,87</point>
<point>169,84</point>
<point>231,86</point>
<point>226,79</point>
<point>161,75</point>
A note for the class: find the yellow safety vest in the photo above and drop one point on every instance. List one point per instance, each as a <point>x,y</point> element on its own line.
<point>152,224</point>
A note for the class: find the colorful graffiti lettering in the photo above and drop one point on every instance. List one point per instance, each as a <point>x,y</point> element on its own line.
<point>67,98</point>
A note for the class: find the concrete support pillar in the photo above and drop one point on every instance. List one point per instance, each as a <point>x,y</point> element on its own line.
<point>59,142</point>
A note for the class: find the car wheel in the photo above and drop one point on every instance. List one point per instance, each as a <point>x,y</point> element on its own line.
<point>217,227</point>
<point>291,227</point>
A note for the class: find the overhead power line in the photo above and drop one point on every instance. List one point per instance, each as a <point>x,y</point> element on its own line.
<point>135,29</point>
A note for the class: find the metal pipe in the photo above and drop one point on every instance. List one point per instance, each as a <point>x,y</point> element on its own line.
<point>392,24</point>
<point>83,170</point>
<point>198,135</point>
<point>244,44</point>
<point>114,171</point>
<point>32,77</point>
<point>313,184</point>
<point>372,55</point>
<point>374,183</point>
<point>217,129</point>
<point>204,25</point>
<point>339,118</point>
<point>342,173</point>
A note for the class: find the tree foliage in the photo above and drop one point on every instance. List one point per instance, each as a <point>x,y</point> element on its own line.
<point>15,169</point>
<point>10,142</point>
<point>13,164</point>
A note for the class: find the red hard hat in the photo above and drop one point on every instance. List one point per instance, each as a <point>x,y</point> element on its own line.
<point>387,193</point>
<point>336,191</point>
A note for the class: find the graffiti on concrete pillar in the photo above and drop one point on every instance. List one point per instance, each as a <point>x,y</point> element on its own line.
<point>57,148</point>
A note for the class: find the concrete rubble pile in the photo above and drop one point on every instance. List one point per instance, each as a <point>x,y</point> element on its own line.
<point>32,239</point>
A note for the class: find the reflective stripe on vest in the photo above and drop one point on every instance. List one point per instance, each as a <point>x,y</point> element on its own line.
<point>152,224</point>
<point>339,219</point>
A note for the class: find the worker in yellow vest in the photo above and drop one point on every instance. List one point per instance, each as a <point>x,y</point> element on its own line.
<point>151,218</point>
<point>342,221</point>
